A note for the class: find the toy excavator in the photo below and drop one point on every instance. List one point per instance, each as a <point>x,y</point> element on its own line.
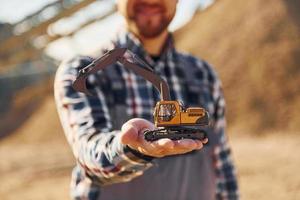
<point>170,117</point>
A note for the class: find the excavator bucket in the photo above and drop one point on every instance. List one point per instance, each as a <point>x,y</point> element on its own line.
<point>107,59</point>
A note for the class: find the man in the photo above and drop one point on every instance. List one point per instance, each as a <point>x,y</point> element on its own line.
<point>105,130</point>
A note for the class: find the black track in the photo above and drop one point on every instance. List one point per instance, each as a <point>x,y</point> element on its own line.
<point>175,134</point>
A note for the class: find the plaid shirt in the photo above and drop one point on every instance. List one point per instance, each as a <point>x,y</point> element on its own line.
<point>92,123</point>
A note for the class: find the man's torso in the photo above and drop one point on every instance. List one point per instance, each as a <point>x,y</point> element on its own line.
<point>128,95</point>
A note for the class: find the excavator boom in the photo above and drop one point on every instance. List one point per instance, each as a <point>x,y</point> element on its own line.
<point>128,60</point>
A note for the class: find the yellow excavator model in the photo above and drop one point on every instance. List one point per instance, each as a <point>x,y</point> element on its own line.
<point>171,118</point>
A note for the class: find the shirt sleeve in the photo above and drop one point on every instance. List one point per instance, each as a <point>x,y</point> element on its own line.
<point>88,128</point>
<point>226,180</point>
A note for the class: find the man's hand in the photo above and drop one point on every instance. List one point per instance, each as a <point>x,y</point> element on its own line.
<point>132,135</point>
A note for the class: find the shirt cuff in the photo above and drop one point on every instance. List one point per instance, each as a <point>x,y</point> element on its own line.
<point>125,153</point>
<point>138,154</point>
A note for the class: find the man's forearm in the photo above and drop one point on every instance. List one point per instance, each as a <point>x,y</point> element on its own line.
<point>108,161</point>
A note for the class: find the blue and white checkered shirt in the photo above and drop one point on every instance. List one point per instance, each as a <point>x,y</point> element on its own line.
<point>92,126</point>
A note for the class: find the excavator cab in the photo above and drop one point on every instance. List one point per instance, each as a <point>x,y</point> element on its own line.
<point>173,114</point>
<point>166,113</point>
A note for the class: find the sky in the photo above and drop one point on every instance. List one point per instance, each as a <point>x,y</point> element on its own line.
<point>14,10</point>
<point>83,42</point>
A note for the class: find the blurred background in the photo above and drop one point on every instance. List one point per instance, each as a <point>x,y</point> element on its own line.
<point>254,46</point>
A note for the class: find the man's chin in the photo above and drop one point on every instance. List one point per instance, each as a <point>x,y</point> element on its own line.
<point>150,33</point>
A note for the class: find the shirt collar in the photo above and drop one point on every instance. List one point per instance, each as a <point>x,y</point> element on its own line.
<point>130,41</point>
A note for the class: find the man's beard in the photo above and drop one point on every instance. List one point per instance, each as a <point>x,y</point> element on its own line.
<point>148,30</point>
<point>148,27</point>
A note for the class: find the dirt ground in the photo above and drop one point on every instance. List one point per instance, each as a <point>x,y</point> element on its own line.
<point>36,162</point>
<point>268,166</point>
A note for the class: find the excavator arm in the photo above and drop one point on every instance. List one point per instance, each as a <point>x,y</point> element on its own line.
<point>128,60</point>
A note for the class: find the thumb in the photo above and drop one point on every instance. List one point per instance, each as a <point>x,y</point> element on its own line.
<point>129,134</point>
<point>131,129</point>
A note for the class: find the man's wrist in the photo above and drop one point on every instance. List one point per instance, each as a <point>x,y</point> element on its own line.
<point>124,151</point>
<point>138,154</point>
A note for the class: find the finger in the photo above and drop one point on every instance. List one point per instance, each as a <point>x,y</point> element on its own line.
<point>199,144</point>
<point>185,144</point>
<point>164,143</point>
<point>204,141</point>
<point>158,148</point>
<point>141,124</point>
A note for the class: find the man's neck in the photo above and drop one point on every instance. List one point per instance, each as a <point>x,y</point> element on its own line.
<point>154,45</point>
